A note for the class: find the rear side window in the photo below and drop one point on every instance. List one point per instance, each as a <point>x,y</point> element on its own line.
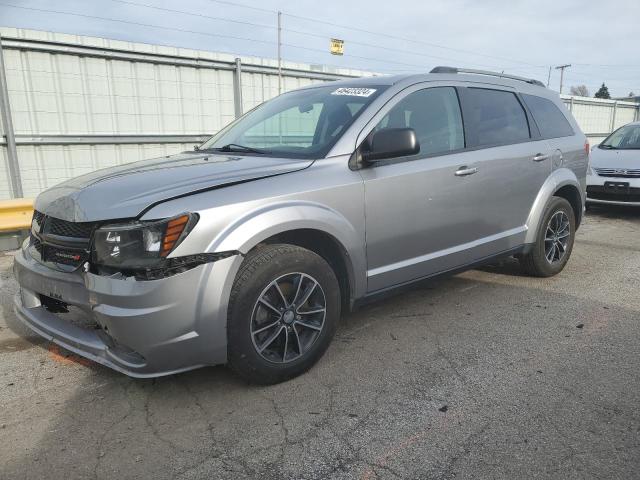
<point>497,117</point>
<point>550,120</point>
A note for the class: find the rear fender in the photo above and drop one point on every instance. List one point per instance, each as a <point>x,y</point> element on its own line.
<point>558,179</point>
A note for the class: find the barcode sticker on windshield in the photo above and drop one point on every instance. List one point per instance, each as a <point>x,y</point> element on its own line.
<point>354,92</point>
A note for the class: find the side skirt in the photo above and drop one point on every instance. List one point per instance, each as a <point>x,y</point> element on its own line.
<point>403,287</point>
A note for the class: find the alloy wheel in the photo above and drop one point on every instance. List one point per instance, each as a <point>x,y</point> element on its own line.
<point>557,237</point>
<point>288,317</point>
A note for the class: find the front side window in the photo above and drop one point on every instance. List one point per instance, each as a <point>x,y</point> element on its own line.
<point>550,120</point>
<point>497,117</point>
<point>434,114</point>
<point>625,138</point>
<point>301,124</point>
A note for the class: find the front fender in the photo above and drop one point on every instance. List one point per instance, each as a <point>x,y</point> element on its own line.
<point>558,179</point>
<point>255,226</point>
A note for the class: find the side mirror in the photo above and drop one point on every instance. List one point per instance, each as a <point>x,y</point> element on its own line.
<point>391,143</point>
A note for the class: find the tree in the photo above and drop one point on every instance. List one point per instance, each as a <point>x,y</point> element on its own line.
<point>631,94</point>
<point>579,90</point>
<point>603,92</point>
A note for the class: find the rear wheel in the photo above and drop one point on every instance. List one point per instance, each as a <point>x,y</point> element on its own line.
<point>283,312</point>
<point>554,242</point>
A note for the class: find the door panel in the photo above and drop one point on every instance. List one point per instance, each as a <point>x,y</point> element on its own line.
<point>416,207</point>
<point>456,206</point>
<point>418,218</point>
<point>512,166</point>
<point>509,179</point>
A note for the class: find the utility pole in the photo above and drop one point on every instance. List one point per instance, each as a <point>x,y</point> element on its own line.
<point>279,52</point>
<point>561,68</point>
<point>549,78</point>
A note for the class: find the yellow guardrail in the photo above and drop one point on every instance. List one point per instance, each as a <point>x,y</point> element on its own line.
<point>16,214</point>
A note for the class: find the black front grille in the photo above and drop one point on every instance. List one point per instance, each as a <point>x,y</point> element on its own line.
<point>37,244</point>
<point>61,241</point>
<point>38,217</point>
<point>597,192</point>
<point>69,229</point>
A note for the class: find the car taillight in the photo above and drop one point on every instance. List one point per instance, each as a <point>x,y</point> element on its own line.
<point>586,147</point>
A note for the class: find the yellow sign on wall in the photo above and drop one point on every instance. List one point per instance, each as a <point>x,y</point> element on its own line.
<point>337,46</point>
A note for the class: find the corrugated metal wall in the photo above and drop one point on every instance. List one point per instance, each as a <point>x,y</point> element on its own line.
<point>82,103</point>
<point>598,117</point>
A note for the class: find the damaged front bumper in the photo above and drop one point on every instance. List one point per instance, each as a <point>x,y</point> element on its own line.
<point>140,328</point>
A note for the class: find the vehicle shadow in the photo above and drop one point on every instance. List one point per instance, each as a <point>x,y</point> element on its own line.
<point>622,212</point>
<point>506,266</point>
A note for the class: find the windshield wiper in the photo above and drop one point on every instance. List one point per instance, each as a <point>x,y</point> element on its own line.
<point>234,147</point>
<point>608,147</point>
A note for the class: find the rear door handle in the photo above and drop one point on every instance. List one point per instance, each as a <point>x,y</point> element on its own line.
<point>540,157</point>
<point>464,171</point>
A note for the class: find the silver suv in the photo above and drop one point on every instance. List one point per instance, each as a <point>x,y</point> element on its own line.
<point>245,251</point>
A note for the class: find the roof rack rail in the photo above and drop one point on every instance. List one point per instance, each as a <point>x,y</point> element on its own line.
<point>486,72</point>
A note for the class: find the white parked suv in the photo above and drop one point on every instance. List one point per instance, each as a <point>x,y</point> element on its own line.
<point>614,176</point>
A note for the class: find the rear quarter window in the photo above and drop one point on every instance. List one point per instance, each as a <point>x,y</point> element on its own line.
<point>550,120</point>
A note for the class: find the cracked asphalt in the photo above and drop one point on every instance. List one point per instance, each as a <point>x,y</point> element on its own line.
<point>487,374</point>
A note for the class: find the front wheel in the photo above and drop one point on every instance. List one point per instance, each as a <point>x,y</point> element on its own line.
<point>554,241</point>
<point>283,312</point>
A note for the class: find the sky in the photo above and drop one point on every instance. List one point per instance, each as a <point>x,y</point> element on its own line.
<point>521,37</point>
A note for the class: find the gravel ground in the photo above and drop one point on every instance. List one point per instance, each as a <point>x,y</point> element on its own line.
<point>488,374</point>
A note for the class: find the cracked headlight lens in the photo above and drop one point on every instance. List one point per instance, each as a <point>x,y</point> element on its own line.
<point>140,245</point>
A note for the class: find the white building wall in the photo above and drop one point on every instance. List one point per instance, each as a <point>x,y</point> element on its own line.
<point>82,103</point>
<point>59,99</point>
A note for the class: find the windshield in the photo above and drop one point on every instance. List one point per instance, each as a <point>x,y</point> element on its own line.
<point>300,124</point>
<point>627,137</point>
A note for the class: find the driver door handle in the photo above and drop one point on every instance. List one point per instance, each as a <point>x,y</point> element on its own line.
<point>464,171</point>
<point>540,157</point>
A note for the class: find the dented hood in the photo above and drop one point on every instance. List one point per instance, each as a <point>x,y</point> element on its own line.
<point>125,191</point>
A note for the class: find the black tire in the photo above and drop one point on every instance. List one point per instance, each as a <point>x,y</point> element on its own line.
<point>535,262</point>
<point>262,267</point>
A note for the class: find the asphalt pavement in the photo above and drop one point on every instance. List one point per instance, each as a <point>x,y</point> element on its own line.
<point>487,374</point>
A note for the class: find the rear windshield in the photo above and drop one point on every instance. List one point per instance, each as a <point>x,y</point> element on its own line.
<point>301,124</point>
<point>550,120</point>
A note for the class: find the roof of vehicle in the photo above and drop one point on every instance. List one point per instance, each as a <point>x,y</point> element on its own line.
<point>448,74</point>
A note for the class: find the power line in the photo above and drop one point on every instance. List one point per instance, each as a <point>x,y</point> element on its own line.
<point>297,32</point>
<point>418,67</point>
<point>356,56</point>
<point>241,5</point>
<point>395,37</point>
<point>386,35</point>
<point>325,37</point>
<point>389,49</point>
<point>129,22</point>
<point>171,10</point>
<point>405,39</point>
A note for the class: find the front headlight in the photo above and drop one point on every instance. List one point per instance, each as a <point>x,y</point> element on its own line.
<point>140,245</point>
